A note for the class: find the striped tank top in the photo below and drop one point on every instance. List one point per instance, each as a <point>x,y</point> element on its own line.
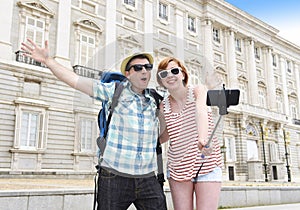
<point>184,156</point>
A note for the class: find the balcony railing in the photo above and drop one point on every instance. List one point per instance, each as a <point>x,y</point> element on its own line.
<point>24,59</point>
<point>296,121</point>
<point>87,72</point>
<point>261,112</point>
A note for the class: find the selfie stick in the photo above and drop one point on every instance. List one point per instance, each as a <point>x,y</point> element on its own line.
<point>219,98</point>
<point>222,104</point>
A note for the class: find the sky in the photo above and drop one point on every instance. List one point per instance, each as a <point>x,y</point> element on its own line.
<point>283,15</point>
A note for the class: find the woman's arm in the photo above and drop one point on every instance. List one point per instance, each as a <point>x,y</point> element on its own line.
<point>64,74</point>
<point>201,115</point>
<point>164,135</point>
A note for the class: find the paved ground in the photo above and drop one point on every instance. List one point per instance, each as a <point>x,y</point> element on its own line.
<point>88,183</point>
<point>26,184</point>
<point>34,183</point>
<point>295,206</point>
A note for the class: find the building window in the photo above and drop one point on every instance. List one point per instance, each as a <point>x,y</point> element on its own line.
<point>88,6</point>
<point>86,135</point>
<point>262,97</point>
<point>87,50</point>
<point>273,152</point>
<point>252,150</point>
<point>34,24</point>
<point>243,91</point>
<point>35,30</point>
<point>294,114</point>
<point>192,24</point>
<point>230,149</point>
<point>274,59</point>
<point>29,130</point>
<point>298,148</point>
<point>194,76</point>
<point>279,102</point>
<point>31,126</point>
<point>257,53</point>
<point>130,23</point>
<point>216,35</point>
<point>130,2</point>
<point>163,11</point>
<point>289,67</point>
<point>87,36</point>
<point>238,45</point>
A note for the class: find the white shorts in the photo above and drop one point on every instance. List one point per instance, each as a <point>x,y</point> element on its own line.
<point>214,176</point>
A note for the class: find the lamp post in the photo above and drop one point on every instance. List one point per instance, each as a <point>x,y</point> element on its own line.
<point>223,149</point>
<point>263,133</point>
<point>286,138</point>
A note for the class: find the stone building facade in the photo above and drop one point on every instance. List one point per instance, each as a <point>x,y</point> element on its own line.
<point>48,128</point>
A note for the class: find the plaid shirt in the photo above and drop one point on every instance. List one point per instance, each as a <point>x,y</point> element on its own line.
<point>133,131</point>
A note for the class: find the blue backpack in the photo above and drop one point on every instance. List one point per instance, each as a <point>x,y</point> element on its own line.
<point>103,121</point>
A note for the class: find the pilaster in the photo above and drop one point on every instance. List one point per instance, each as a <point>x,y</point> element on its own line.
<point>208,59</point>
<point>148,26</point>
<point>297,76</point>
<point>231,59</point>
<point>62,53</point>
<point>110,35</point>
<point>284,85</point>
<point>179,34</point>
<point>252,74</point>
<point>5,25</point>
<point>270,81</point>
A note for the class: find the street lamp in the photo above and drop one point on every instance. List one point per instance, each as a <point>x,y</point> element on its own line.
<point>286,138</point>
<point>223,149</point>
<point>264,133</point>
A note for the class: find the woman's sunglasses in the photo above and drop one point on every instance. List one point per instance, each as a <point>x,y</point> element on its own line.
<point>139,67</point>
<point>163,74</point>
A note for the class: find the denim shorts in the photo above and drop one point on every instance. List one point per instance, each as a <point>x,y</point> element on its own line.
<point>214,176</point>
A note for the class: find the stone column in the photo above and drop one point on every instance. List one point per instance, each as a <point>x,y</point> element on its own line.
<point>63,32</point>
<point>111,36</point>
<point>231,60</point>
<point>297,76</point>
<point>284,86</point>
<point>252,74</point>
<point>179,34</point>
<point>148,25</point>
<point>6,17</point>
<point>270,80</point>
<point>148,37</point>
<point>208,58</point>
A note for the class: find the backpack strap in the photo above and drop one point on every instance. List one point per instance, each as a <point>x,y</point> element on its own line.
<point>101,141</point>
<point>119,86</point>
<point>160,172</point>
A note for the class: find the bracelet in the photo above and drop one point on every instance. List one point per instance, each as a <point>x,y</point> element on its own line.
<point>203,142</point>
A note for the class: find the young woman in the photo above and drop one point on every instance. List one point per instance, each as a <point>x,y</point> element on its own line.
<point>194,166</point>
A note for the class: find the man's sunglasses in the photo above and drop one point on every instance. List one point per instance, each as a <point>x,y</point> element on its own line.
<point>139,67</point>
<point>163,74</point>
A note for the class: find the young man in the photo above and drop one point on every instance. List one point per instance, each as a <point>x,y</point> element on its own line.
<point>127,173</point>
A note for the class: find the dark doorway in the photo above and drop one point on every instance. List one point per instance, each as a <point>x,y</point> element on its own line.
<point>231,173</point>
<point>275,175</point>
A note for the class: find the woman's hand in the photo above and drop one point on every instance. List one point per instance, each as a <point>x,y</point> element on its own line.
<point>35,52</point>
<point>206,150</point>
